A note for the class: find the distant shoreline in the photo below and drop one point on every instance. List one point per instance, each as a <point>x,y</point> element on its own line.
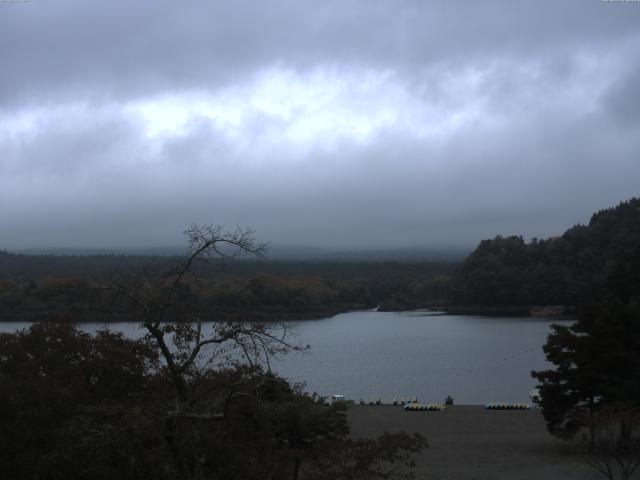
<point>100,317</point>
<point>559,311</point>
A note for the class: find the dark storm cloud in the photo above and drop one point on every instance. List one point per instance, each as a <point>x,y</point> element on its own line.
<point>345,123</point>
<point>132,48</point>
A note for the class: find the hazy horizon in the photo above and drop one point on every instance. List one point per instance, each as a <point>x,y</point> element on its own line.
<point>342,125</point>
<point>273,252</point>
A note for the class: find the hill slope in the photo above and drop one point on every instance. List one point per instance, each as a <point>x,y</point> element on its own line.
<point>586,261</point>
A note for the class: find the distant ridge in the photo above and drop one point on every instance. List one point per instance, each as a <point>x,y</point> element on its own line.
<point>447,254</point>
<point>278,253</point>
<point>86,251</point>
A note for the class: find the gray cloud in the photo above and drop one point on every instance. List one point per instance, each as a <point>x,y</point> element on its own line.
<point>372,124</point>
<point>124,48</point>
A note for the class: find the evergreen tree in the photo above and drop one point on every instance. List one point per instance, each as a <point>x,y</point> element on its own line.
<point>597,364</point>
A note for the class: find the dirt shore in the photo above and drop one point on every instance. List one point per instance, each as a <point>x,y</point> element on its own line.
<point>471,443</point>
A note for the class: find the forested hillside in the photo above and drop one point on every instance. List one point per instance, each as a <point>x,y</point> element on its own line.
<point>569,270</point>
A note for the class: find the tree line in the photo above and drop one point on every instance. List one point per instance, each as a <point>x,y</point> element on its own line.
<point>76,287</point>
<point>568,270</point>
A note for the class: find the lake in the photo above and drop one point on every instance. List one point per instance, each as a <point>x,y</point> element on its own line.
<point>369,355</point>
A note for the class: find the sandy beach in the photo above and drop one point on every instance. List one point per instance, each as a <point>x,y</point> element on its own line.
<point>471,443</point>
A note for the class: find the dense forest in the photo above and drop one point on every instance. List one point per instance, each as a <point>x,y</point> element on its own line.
<point>79,287</point>
<point>566,271</point>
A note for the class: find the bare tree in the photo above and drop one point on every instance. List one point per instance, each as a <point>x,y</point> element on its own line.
<point>177,330</point>
<point>610,443</point>
<point>273,430</point>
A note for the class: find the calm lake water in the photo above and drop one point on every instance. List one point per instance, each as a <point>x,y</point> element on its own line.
<point>371,355</point>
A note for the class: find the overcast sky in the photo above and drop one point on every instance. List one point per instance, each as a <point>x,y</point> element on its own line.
<point>347,123</point>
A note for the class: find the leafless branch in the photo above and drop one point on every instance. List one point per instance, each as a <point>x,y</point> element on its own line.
<point>611,443</point>
<point>153,298</point>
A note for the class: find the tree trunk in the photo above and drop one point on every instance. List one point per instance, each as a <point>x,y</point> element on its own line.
<point>296,468</point>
